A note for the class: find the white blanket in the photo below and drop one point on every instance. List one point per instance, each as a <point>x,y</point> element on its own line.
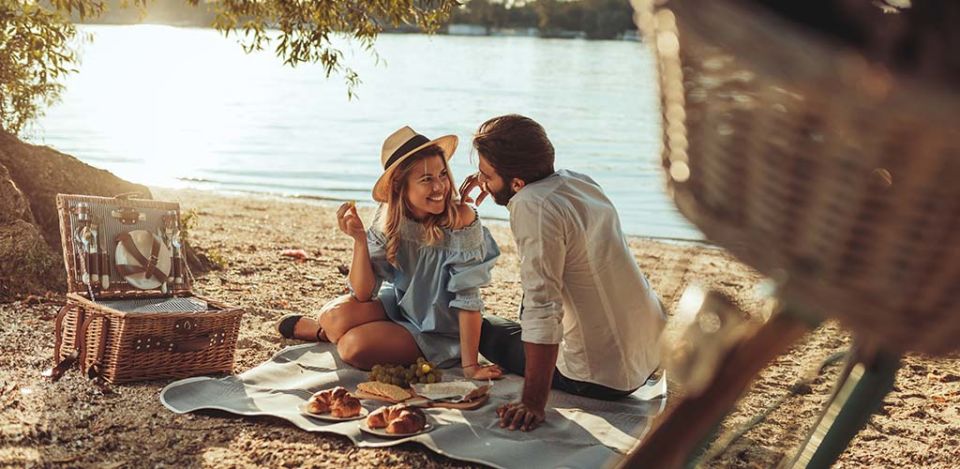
<point>578,432</point>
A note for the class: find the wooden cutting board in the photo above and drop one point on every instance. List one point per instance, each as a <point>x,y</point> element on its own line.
<point>469,405</point>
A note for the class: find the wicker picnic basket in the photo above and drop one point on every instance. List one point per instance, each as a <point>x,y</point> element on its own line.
<point>831,172</point>
<point>135,320</point>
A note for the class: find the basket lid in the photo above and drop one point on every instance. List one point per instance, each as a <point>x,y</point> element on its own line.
<point>121,246</point>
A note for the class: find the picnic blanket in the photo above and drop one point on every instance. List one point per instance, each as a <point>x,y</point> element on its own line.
<point>578,432</point>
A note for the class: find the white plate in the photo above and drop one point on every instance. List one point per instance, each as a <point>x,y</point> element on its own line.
<point>330,418</point>
<point>382,432</point>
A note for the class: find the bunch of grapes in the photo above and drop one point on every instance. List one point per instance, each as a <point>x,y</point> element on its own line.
<point>404,376</point>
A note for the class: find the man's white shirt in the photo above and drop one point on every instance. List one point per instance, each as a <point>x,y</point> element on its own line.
<point>582,287</point>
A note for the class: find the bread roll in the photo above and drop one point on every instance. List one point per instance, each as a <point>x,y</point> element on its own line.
<point>398,419</point>
<point>337,401</point>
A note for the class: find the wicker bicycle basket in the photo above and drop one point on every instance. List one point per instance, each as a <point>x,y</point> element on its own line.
<point>122,332</point>
<point>815,166</point>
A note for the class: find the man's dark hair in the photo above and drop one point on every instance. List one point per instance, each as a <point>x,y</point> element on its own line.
<point>516,147</point>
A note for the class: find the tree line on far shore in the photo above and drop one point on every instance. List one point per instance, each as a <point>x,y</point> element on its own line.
<point>597,19</point>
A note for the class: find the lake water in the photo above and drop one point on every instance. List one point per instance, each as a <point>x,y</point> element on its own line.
<point>184,107</point>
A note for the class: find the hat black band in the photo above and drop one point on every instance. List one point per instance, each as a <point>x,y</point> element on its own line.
<point>416,141</point>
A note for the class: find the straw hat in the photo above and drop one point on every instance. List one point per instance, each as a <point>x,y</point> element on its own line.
<point>142,259</point>
<point>398,147</point>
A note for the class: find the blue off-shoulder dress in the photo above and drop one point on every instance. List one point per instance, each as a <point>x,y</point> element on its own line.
<point>431,283</point>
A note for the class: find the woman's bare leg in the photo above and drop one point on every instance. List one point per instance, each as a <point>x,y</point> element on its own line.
<point>345,313</point>
<point>337,317</point>
<point>378,343</point>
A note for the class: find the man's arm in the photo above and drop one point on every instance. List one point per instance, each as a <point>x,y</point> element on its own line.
<point>541,244</point>
<point>538,375</point>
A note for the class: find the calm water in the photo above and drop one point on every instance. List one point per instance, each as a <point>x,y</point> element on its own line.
<point>185,107</point>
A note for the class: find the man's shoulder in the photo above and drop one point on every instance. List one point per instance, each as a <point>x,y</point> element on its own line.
<point>569,176</point>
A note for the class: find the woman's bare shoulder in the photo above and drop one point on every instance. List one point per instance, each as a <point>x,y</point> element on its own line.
<point>467,216</point>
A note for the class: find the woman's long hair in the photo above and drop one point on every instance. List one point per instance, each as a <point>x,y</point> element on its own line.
<point>392,212</point>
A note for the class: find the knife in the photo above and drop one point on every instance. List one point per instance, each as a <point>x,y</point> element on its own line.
<point>104,264</point>
<point>94,255</point>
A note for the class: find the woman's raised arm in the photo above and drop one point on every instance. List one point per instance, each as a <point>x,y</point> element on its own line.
<point>362,279</point>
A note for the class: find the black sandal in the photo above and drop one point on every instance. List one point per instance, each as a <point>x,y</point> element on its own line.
<point>287,324</point>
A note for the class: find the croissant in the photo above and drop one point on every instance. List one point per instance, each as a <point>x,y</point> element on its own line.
<point>398,418</point>
<point>337,401</point>
<point>348,406</point>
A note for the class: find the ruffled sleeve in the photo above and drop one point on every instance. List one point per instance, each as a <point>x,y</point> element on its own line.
<point>470,268</point>
<point>382,269</point>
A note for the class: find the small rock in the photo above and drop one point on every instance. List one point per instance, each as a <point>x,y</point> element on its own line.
<point>802,389</point>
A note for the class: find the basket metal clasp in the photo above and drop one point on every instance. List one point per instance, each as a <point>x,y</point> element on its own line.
<point>185,326</point>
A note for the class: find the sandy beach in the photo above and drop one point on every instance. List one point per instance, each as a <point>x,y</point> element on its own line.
<point>73,423</point>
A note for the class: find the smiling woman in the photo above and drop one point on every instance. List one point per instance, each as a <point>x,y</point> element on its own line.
<point>428,252</point>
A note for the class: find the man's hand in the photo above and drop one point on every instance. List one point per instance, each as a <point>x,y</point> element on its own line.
<point>469,184</point>
<point>517,415</point>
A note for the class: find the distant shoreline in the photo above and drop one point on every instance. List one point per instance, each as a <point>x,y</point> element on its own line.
<point>462,30</point>
<point>330,201</point>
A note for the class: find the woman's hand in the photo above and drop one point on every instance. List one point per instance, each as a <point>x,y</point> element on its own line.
<point>482,373</point>
<point>350,222</point>
<point>470,183</point>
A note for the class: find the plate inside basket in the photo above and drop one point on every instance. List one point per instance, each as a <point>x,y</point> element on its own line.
<point>382,432</point>
<point>330,418</point>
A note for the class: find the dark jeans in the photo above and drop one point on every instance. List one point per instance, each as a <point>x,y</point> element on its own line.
<point>500,343</point>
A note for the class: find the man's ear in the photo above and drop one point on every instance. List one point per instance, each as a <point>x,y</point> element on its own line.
<point>516,184</point>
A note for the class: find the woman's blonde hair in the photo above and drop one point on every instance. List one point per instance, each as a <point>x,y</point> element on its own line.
<point>393,211</point>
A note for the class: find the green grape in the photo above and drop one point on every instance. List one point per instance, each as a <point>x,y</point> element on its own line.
<point>431,379</point>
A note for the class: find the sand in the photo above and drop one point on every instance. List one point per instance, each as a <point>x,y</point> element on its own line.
<point>74,423</point>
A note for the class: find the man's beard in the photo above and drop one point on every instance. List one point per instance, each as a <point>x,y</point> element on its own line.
<point>503,196</point>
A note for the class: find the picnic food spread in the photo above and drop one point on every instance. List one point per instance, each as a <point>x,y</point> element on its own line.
<point>397,419</point>
<point>420,372</point>
<point>336,401</point>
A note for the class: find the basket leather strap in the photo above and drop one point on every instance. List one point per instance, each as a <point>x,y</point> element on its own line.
<point>62,364</point>
<point>148,266</point>
<point>58,332</point>
<point>95,370</point>
<point>82,337</point>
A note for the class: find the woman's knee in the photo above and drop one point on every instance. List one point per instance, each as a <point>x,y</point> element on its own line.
<point>354,349</point>
<point>334,317</point>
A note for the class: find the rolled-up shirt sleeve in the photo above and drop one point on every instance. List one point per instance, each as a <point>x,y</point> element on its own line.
<point>541,246</point>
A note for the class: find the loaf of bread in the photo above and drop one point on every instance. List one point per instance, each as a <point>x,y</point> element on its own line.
<point>398,419</point>
<point>337,401</point>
